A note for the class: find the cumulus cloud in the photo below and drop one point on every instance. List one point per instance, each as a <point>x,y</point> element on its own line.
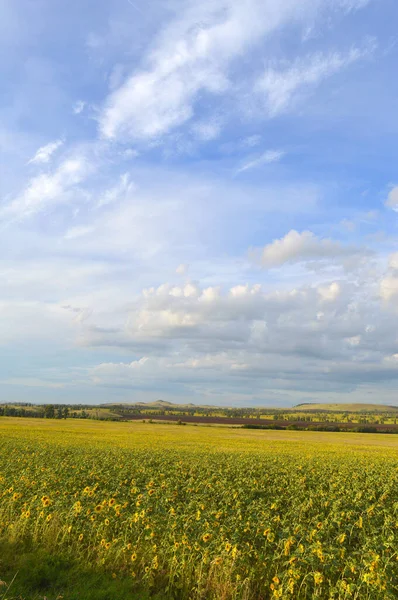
<point>388,286</point>
<point>182,269</point>
<point>392,199</point>
<point>245,314</point>
<point>325,337</point>
<point>393,261</point>
<point>44,154</point>
<point>297,247</point>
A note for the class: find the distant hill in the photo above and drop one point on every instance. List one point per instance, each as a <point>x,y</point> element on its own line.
<point>156,404</point>
<point>358,408</point>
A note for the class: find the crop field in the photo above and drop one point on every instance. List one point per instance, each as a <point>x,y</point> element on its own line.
<point>191,512</point>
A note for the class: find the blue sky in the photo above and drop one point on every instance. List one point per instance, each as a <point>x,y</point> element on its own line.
<point>199,201</point>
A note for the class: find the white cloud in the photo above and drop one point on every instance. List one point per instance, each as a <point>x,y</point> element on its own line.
<point>47,188</point>
<point>117,192</point>
<point>330,293</point>
<point>130,153</point>
<point>389,288</point>
<point>193,55</point>
<point>269,156</point>
<point>207,130</point>
<point>392,199</point>
<point>75,232</point>
<point>78,107</point>
<point>281,86</point>
<point>393,261</point>
<point>44,153</point>
<point>252,140</point>
<point>328,337</point>
<point>182,269</point>
<point>297,247</point>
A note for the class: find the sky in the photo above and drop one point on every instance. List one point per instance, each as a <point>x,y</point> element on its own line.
<point>199,201</point>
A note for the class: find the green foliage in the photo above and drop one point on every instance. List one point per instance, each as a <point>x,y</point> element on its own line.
<point>34,573</point>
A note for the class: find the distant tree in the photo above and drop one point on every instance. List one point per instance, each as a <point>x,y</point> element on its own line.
<point>49,411</point>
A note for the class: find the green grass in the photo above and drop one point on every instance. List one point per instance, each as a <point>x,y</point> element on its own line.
<point>34,573</point>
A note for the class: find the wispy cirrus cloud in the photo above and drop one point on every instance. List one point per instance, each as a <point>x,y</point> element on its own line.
<point>47,188</point>
<point>117,192</point>
<point>280,87</point>
<point>190,61</point>
<point>270,156</point>
<point>44,154</point>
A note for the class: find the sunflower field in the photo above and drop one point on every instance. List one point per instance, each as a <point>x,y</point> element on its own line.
<point>207,512</point>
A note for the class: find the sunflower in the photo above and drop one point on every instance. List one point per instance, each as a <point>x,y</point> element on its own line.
<point>111,502</point>
<point>206,537</point>
<point>318,578</point>
<point>98,508</point>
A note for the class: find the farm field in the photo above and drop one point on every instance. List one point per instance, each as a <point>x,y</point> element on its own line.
<point>143,510</point>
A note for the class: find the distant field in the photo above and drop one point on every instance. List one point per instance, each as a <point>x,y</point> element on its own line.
<point>164,511</point>
<point>357,408</point>
<point>352,425</point>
